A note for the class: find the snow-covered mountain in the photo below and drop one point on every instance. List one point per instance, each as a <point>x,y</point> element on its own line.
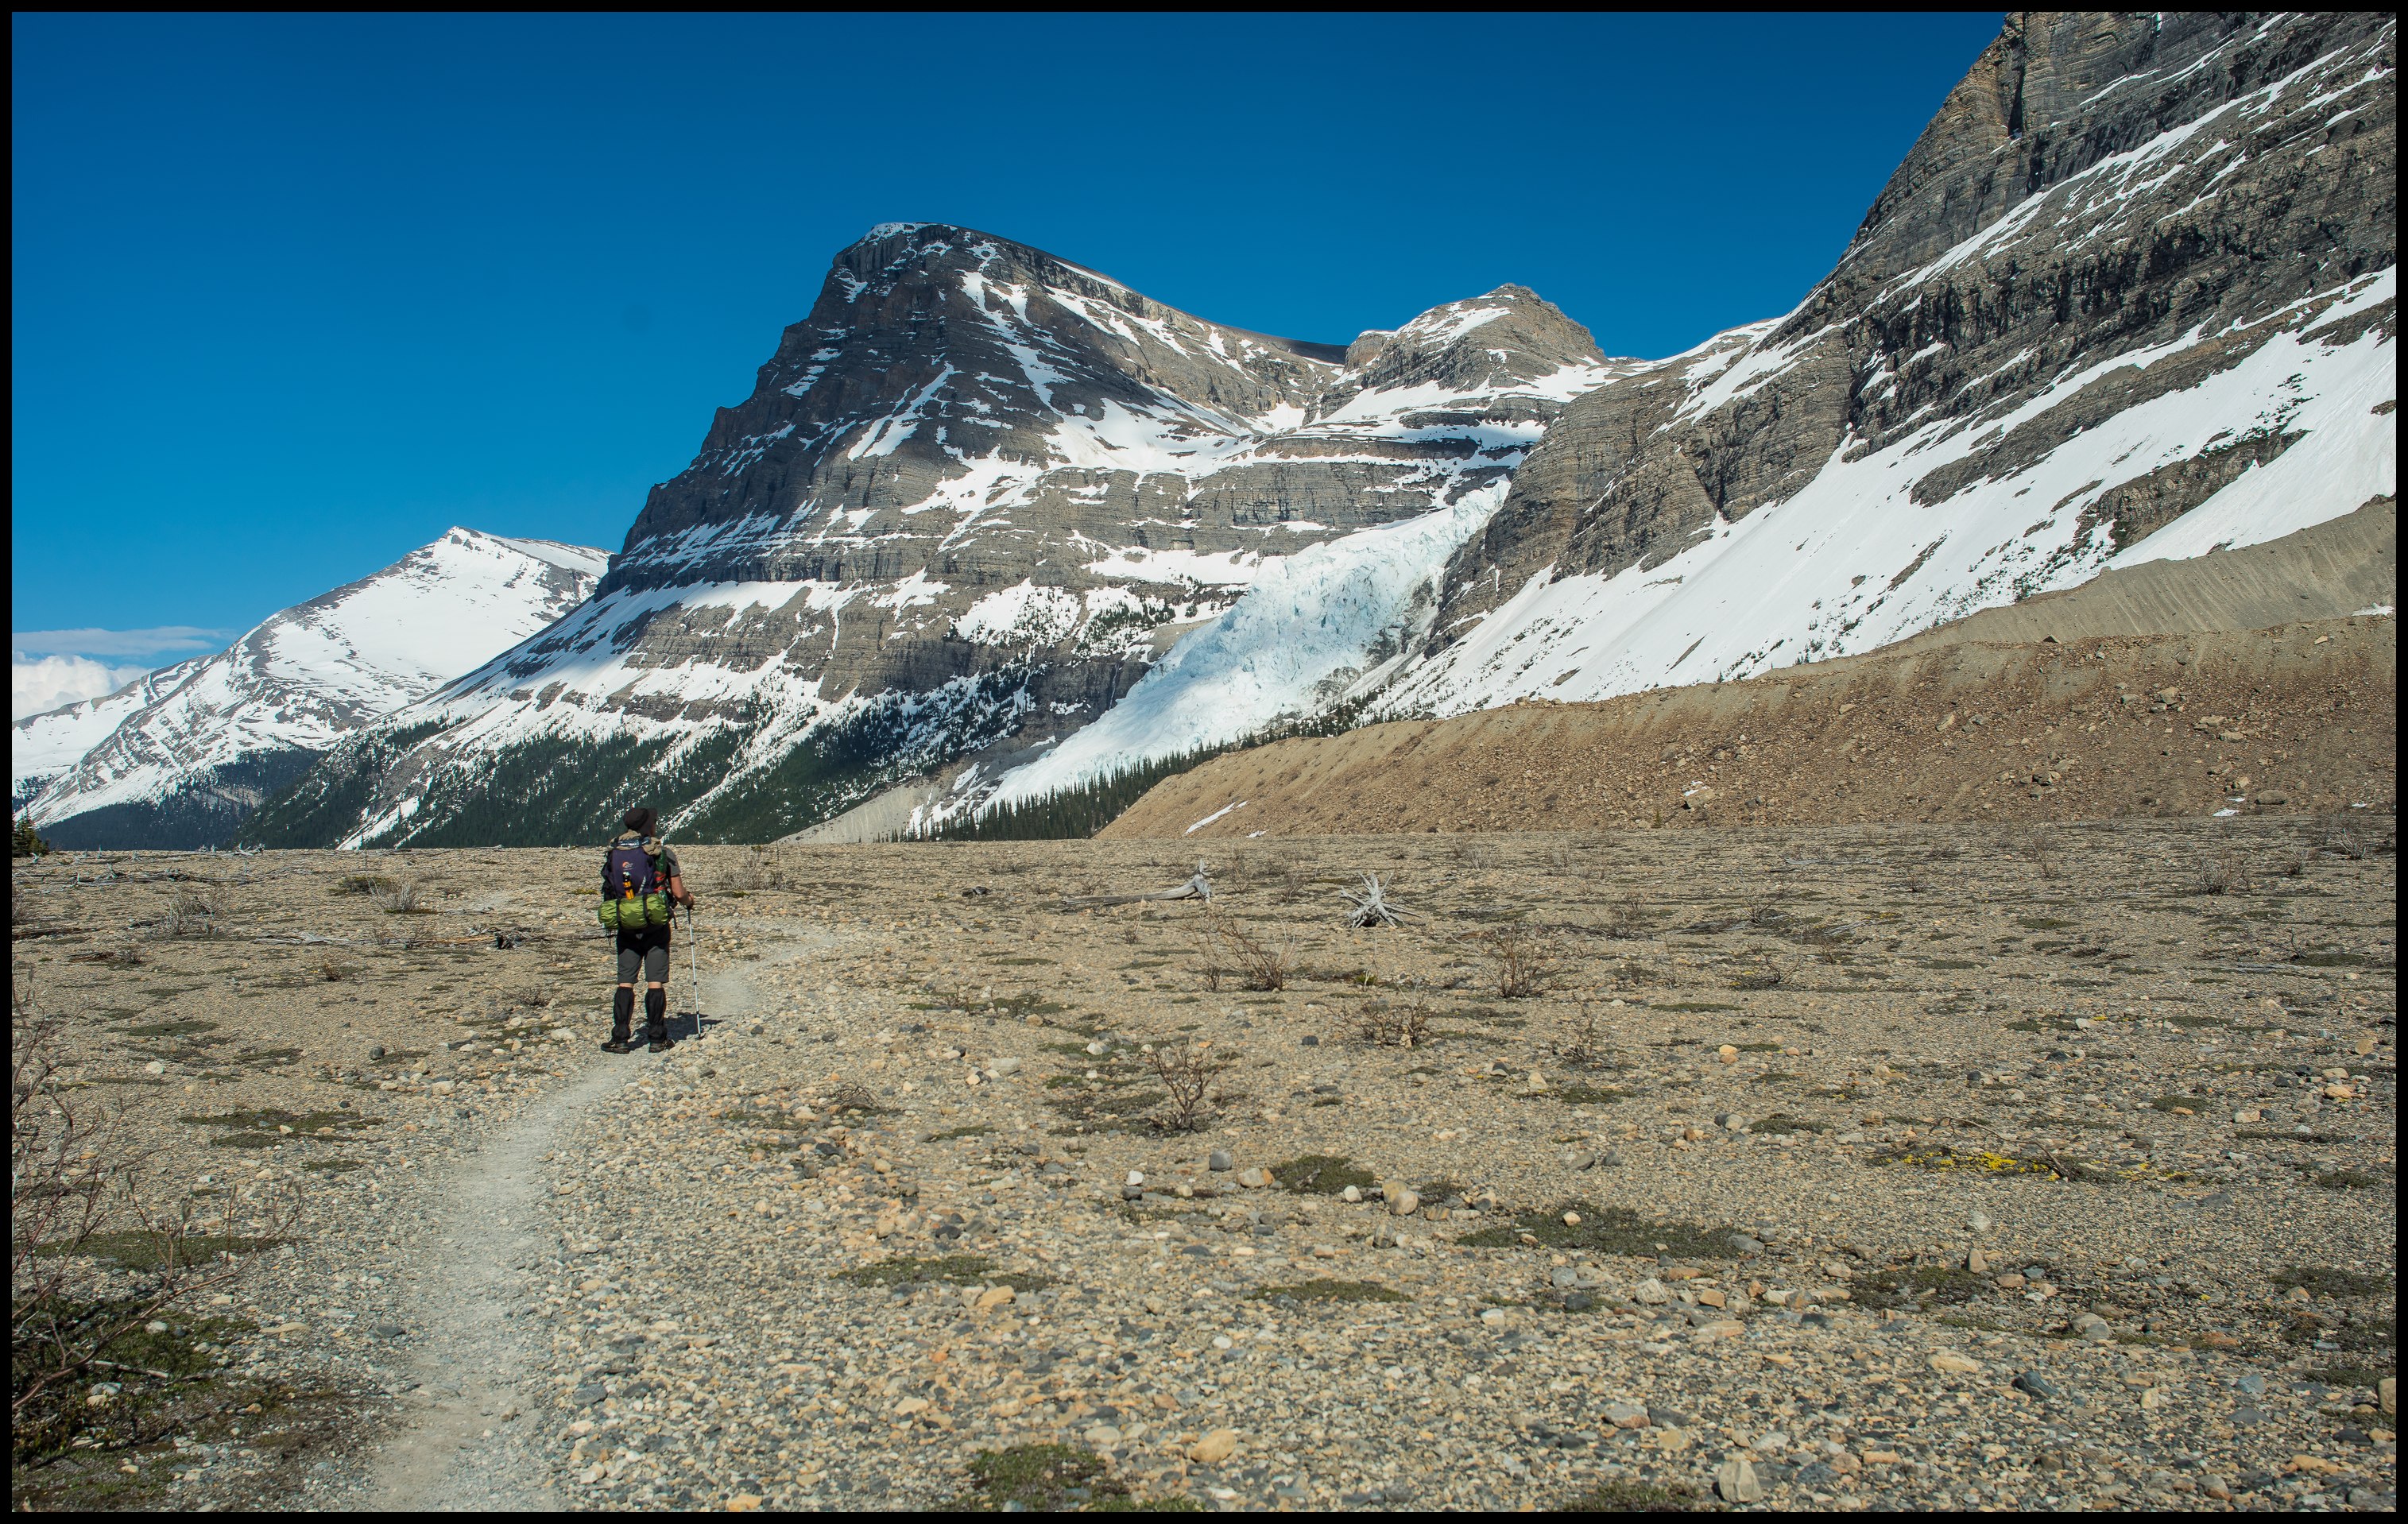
<point>178,757</point>
<point>991,515</point>
<point>972,497</point>
<point>2133,296</point>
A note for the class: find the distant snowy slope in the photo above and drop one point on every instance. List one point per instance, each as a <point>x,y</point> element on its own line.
<point>179,757</point>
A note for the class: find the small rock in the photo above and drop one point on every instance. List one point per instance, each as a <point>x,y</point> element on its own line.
<point>1254,1178</point>
<point>1735,1482</point>
<point>1404,1204</point>
<point>2036,1384</point>
<point>376,1051</point>
<point>1980,1222</point>
<point>1352,1193</point>
<point>1976,1262</point>
<point>1564,1275</point>
<point>1954,1364</point>
<point>1727,1054</point>
<point>155,1067</point>
<point>1103,1435</point>
<point>994,1296</point>
<point>1625,1414</point>
<point>1136,1178</point>
<point>1652,1292</point>
<point>1214,1447</point>
<point>1221,1161</point>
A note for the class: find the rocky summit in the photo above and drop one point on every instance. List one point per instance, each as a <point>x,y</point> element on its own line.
<point>971,497</point>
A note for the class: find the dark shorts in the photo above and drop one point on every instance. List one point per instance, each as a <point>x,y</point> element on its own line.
<point>647,949</point>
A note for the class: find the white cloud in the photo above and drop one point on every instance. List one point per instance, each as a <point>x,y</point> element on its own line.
<point>51,682</point>
<point>162,640</point>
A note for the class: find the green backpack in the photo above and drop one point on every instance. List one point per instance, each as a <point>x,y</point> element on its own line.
<point>635,893</point>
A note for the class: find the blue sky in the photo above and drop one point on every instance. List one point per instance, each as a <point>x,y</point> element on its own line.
<point>294,295</point>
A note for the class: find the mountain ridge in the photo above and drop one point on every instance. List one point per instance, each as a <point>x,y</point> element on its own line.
<point>179,757</point>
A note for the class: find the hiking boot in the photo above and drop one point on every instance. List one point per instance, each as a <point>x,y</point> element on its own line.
<point>619,1043</point>
<point>662,1043</point>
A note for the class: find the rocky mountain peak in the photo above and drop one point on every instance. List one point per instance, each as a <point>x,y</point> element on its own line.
<point>1511,339</point>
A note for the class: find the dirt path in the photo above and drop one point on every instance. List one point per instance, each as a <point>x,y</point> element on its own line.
<point>469,1443</point>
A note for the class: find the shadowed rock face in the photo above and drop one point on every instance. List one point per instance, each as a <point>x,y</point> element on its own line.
<point>2097,186</point>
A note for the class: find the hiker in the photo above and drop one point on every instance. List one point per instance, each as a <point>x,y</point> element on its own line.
<point>640,881</point>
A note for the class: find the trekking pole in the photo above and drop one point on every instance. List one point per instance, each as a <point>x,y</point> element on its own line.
<point>693,971</point>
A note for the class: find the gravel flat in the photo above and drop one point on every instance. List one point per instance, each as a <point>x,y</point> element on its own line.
<point>1875,1167</point>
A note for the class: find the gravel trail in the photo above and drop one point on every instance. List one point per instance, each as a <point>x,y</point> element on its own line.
<point>464,1446</point>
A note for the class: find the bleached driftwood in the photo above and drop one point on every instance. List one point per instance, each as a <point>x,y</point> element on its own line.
<point>1198,888</point>
<point>1371,905</point>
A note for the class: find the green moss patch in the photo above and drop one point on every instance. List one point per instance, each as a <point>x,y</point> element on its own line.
<point>2327,1280</point>
<point>2345,1180</point>
<point>1323,1174</point>
<point>1331,1290</point>
<point>1040,1479</point>
<point>1924,1286</point>
<point>1606,1230</point>
<point>1623,1495</point>
<point>138,1248</point>
<point>188,1027</point>
<point>952,1269</point>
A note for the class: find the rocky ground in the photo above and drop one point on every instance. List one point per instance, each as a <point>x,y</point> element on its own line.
<point>1853,1167</point>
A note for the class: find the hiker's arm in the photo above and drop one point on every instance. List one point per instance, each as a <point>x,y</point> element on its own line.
<point>678,891</point>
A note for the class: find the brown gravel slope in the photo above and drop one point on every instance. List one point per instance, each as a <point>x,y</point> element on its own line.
<point>2292,718</point>
<point>2159,689</point>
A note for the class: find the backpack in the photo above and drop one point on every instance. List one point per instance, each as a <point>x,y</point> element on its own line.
<point>634,894</point>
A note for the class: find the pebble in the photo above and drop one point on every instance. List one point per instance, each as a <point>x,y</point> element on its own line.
<point>1213,1448</point>
<point>1735,1481</point>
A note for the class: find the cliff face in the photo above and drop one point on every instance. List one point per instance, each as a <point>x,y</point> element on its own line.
<point>2109,212</point>
<point>973,497</point>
